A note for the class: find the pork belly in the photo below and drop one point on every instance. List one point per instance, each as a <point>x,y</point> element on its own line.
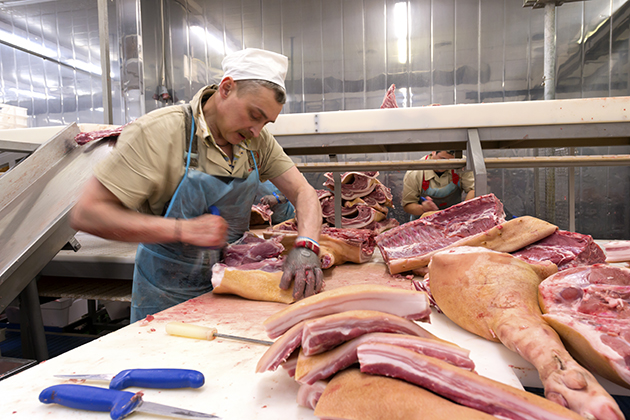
<point>309,394</point>
<point>321,366</point>
<point>495,295</point>
<point>408,304</point>
<point>354,395</point>
<point>327,332</point>
<point>281,349</point>
<point>459,385</point>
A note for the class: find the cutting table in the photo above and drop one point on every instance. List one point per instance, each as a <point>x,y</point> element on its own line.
<point>232,390</point>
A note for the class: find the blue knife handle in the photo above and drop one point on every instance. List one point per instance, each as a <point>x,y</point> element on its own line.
<point>119,404</point>
<point>214,210</point>
<point>158,378</point>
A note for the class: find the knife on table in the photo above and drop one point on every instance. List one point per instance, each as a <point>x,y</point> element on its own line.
<point>119,404</point>
<point>147,378</point>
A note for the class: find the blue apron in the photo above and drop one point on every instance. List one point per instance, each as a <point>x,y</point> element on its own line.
<point>281,212</point>
<point>444,197</point>
<point>168,274</point>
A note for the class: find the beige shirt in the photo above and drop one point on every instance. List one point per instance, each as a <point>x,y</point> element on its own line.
<point>147,164</point>
<point>412,183</point>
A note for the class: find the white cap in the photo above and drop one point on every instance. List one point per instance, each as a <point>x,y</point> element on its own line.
<point>253,63</point>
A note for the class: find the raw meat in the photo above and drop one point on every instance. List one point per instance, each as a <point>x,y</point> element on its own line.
<point>250,248</point>
<point>353,184</point>
<point>327,332</point>
<point>357,396</point>
<point>590,308</point>
<point>309,395</point>
<point>88,136</point>
<point>405,303</point>
<point>363,216</point>
<point>506,237</point>
<point>389,101</point>
<point>337,246</point>
<point>495,295</point>
<point>617,251</point>
<point>321,366</point>
<point>251,284</point>
<point>459,385</point>
<point>564,249</point>
<point>260,215</point>
<point>281,349</point>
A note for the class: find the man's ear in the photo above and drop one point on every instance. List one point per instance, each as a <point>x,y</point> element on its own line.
<point>227,86</point>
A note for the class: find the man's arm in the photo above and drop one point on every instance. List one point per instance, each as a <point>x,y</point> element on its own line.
<point>470,194</point>
<point>99,212</point>
<point>299,192</point>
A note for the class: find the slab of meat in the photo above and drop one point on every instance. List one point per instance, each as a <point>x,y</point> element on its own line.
<point>590,308</point>
<point>260,215</point>
<point>327,332</point>
<point>381,195</point>
<point>337,246</point>
<point>389,101</point>
<point>250,248</point>
<point>321,366</point>
<point>358,396</point>
<point>495,295</point>
<point>564,249</point>
<point>459,385</point>
<point>353,184</point>
<point>349,208</point>
<point>363,216</point>
<point>617,251</point>
<point>382,226</point>
<point>308,395</point>
<point>506,237</point>
<point>281,349</point>
<point>253,284</point>
<point>88,136</point>
<point>405,303</point>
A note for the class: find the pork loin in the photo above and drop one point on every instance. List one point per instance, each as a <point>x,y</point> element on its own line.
<point>321,366</point>
<point>459,385</point>
<point>590,308</point>
<point>357,396</point>
<point>495,295</point>
<point>408,304</point>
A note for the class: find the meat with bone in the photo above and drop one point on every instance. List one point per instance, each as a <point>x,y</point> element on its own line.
<point>353,184</point>
<point>506,237</point>
<point>337,246</point>
<point>459,385</point>
<point>250,248</point>
<point>495,295</point>
<point>327,332</point>
<point>260,215</point>
<point>252,283</point>
<point>308,395</point>
<point>590,308</point>
<point>405,303</point>
<point>564,249</point>
<point>354,395</point>
<point>362,216</point>
<point>389,101</point>
<point>321,366</point>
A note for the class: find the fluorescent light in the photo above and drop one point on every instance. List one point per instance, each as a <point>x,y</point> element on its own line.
<point>210,39</point>
<point>400,29</point>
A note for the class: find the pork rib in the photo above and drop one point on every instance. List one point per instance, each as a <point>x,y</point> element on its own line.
<point>495,295</point>
<point>321,366</point>
<point>405,303</point>
<point>327,332</point>
<point>459,385</point>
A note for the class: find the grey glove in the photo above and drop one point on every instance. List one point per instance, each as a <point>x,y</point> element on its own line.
<point>269,200</point>
<point>303,266</point>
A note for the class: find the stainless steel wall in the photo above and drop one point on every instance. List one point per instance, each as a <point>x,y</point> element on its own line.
<point>344,54</point>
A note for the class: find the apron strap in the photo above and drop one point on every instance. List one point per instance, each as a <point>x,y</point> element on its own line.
<point>188,116</point>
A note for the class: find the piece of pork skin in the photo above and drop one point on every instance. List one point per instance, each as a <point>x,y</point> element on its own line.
<point>408,304</point>
<point>358,396</point>
<point>308,395</point>
<point>457,384</point>
<point>495,296</point>
<point>327,332</point>
<point>321,366</point>
<point>590,308</point>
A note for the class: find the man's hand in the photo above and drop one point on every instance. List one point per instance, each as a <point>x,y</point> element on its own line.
<point>303,266</point>
<point>206,230</point>
<point>429,205</point>
<point>269,200</point>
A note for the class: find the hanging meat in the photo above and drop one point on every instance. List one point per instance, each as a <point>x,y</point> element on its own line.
<point>495,295</point>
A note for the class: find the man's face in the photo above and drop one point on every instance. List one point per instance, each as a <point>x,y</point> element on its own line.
<point>242,115</point>
<point>442,154</point>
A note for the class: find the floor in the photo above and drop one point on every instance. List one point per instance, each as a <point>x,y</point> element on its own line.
<point>58,342</point>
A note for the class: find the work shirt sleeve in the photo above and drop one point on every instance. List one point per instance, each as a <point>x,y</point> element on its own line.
<point>411,188</point>
<point>467,181</point>
<point>273,160</point>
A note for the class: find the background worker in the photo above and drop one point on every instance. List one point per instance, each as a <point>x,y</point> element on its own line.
<point>432,190</point>
<point>280,205</point>
<point>184,186</point>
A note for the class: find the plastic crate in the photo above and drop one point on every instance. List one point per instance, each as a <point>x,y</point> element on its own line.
<point>13,116</point>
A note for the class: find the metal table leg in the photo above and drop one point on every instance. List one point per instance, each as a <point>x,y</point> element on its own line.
<point>31,324</point>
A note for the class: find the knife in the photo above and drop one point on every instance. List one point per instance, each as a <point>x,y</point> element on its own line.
<point>148,378</point>
<point>206,333</point>
<point>119,404</point>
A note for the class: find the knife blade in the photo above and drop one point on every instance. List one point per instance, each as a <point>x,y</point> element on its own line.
<point>206,333</point>
<point>119,404</point>
<point>147,378</point>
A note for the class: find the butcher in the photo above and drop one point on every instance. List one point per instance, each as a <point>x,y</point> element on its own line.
<point>433,190</point>
<point>181,181</point>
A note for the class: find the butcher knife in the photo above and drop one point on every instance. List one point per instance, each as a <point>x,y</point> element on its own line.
<point>119,404</point>
<point>203,259</point>
<point>206,333</point>
<point>147,378</point>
